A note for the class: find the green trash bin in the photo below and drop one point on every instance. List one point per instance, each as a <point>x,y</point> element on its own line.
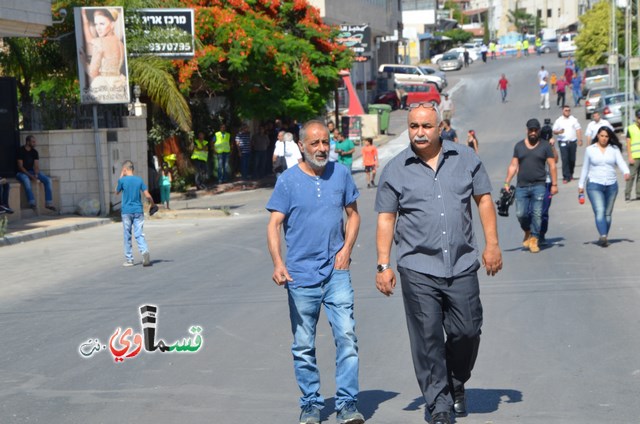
<point>384,113</point>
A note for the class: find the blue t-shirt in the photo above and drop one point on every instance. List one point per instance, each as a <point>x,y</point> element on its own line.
<point>130,186</point>
<point>576,81</point>
<point>314,219</point>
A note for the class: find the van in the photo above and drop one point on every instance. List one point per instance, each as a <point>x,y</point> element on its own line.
<point>595,77</point>
<point>409,73</point>
<point>566,44</point>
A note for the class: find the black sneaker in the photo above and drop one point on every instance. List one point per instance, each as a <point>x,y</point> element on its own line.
<point>6,209</point>
<point>51,208</point>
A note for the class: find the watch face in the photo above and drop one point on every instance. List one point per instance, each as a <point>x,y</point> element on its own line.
<point>382,267</point>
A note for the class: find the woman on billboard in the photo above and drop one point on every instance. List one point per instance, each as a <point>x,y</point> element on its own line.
<point>104,56</point>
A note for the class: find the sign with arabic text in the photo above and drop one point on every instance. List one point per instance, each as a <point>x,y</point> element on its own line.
<point>124,343</point>
<point>355,37</point>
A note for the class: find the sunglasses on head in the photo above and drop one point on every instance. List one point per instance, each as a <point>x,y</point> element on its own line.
<point>428,105</point>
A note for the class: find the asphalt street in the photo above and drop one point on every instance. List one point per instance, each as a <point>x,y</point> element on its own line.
<point>559,342</point>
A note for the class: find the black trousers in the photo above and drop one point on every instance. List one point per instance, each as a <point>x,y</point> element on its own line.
<point>568,155</point>
<point>431,304</point>
<point>560,96</point>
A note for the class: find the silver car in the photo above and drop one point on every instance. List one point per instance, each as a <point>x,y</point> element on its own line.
<point>450,62</point>
<point>435,73</point>
<point>612,108</point>
<point>593,97</point>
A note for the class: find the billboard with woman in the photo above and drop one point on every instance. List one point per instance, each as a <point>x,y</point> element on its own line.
<point>102,55</point>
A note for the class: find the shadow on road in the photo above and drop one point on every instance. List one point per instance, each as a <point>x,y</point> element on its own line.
<point>479,401</point>
<point>368,403</point>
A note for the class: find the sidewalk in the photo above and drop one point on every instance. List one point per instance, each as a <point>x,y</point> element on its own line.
<point>194,204</point>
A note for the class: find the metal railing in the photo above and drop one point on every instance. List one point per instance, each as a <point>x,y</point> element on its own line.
<point>60,114</point>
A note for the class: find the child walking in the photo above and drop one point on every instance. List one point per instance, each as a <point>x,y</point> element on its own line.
<point>165,185</point>
<point>370,161</point>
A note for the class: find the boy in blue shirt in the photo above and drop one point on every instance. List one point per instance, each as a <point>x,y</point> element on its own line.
<point>131,186</point>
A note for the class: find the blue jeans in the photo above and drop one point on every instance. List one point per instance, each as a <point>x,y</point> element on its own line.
<point>222,167</point>
<point>504,95</point>
<point>602,198</point>
<point>26,183</point>
<point>529,208</point>
<point>336,294</point>
<point>546,204</point>
<point>133,221</point>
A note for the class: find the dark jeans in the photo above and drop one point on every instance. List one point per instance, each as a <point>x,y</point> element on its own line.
<point>431,304</point>
<point>222,166</point>
<point>568,155</point>
<point>260,163</point>
<point>245,161</point>
<point>635,177</point>
<point>4,194</point>
<point>560,96</point>
<point>201,171</point>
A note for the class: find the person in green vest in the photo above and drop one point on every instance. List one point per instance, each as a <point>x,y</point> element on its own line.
<point>525,46</point>
<point>222,148</point>
<point>344,149</point>
<point>538,46</point>
<point>633,150</point>
<point>492,50</point>
<point>199,159</point>
<point>518,48</point>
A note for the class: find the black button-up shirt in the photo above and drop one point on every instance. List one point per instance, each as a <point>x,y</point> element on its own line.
<point>434,229</point>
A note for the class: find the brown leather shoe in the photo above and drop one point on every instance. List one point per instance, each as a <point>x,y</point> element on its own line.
<point>525,240</point>
<point>533,245</point>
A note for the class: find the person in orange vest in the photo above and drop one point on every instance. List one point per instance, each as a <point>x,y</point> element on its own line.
<point>222,148</point>
<point>199,159</point>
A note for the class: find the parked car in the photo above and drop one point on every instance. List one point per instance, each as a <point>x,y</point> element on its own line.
<point>388,98</point>
<point>612,108</point>
<point>460,50</point>
<point>566,44</point>
<point>473,46</point>
<point>417,93</point>
<point>593,97</point>
<point>408,73</point>
<point>549,46</point>
<point>451,61</point>
<point>595,77</point>
<point>436,73</point>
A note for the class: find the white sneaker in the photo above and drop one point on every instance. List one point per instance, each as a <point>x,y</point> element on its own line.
<point>128,263</point>
<point>146,260</point>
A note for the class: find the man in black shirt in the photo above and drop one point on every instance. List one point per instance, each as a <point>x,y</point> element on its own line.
<point>529,159</point>
<point>29,172</point>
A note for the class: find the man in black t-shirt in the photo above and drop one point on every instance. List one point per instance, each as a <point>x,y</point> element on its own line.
<point>530,157</point>
<point>29,173</point>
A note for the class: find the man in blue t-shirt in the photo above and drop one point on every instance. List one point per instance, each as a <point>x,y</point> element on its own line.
<point>309,202</point>
<point>132,213</point>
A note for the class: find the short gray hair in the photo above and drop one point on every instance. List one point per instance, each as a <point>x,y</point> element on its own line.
<point>288,136</point>
<point>303,131</point>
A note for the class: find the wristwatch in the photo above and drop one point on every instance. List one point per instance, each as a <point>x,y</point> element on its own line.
<point>383,267</point>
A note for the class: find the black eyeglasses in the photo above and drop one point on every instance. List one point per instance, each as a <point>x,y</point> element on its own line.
<point>428,105</point>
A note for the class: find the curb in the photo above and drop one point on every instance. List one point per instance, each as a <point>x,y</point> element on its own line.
<point>29,235</point>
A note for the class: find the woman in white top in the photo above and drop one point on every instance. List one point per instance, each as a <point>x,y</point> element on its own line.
<point>599,168</point>
<point>289,149</point>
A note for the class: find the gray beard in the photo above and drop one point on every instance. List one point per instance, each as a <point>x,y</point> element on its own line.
<point>313,162</point>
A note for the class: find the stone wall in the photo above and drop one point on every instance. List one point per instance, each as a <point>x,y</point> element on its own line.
<point>70,155</point>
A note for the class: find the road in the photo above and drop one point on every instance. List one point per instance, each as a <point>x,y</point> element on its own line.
<point>559,342</point>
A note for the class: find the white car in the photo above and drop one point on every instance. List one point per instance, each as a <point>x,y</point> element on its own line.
<point>460,50</point>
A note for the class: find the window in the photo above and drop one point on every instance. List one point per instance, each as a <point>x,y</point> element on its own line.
<point>418,5</point>
<point>549,13</point>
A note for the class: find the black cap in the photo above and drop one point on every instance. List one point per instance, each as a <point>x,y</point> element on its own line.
<point>638,113</point>
<point>547,121</point>
<point>533,123</point>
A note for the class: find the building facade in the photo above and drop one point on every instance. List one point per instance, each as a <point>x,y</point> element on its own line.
<point>384,18</point>
<point>24,18</point>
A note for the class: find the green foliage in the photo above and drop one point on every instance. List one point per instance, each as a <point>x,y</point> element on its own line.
<point>456,12</point>
<point>521,19</point>
<point>457,35</point>
<point>593,41</point>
